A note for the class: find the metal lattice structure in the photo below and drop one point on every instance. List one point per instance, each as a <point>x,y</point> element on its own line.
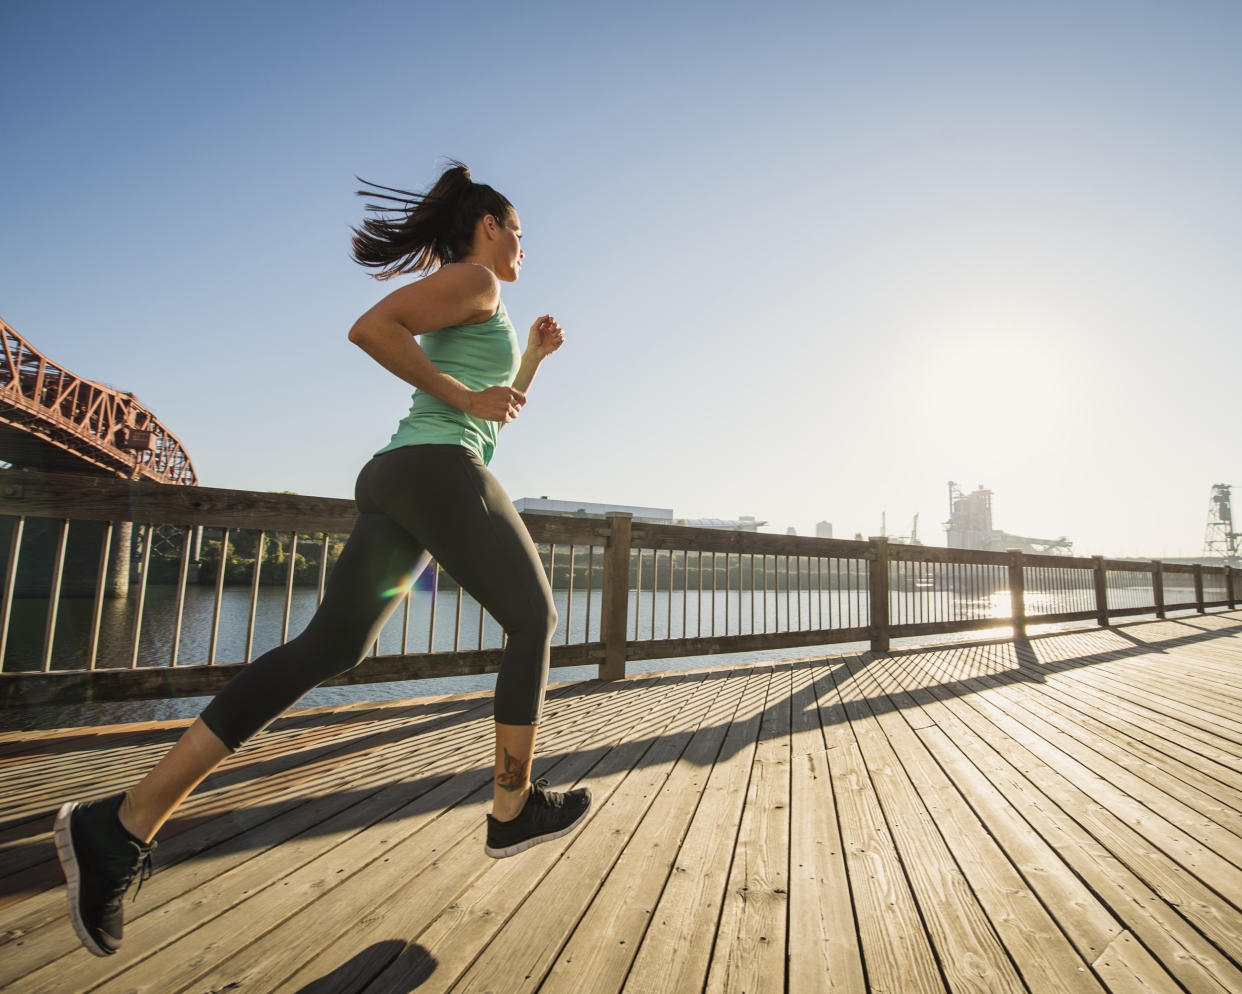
<point>52,419</point>
<point>1219,539</point>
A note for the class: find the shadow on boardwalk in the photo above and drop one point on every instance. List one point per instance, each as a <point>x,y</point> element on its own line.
<point>1057,813</point>
<point>27,857</point>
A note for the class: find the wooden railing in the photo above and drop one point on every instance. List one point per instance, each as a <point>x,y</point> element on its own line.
<point>626,591</point>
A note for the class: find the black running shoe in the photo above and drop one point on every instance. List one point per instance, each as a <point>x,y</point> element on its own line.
<point>100,859</point>
<point>547,815</point>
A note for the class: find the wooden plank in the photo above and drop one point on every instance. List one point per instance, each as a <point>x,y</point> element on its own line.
<point>944,627</point>
<point>676,951</point>
<point>218,869</point>
<point>1150,689</point>
<point>1185,782</point>
<point>244,907</point>
<point>1181,678</point>
<point>897,952</point>
<point>598,955</point>
<point>1150,713</point>
<point>1168,797</point>
<point>1125,700</point>
<point>100,498</point>
<point>226,847</point>
<point>1017,878</point>
<point>505,933</point>
<point>371,902</point>
<point>37,854</point>
<point>1198,766</point>
<point>712,644</point>
<point>1127,968</point>
<point>648,535</point>
<point>1194,666</point>
<point>1189,723</point>
<point>941,554</point>
<point>43,787</point>
<point>824,954</point>
<point>968,949</point>
<point>330,736</point>
<point>1137,691</point>
<point>1044,803</point>
<point>750,952</point>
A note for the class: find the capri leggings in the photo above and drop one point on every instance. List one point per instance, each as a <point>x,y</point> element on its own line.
<point>433,499</point>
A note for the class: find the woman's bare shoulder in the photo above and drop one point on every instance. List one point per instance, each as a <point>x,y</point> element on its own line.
<point>465,278</point>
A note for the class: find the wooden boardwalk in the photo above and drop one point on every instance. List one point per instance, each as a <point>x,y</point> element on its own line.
<point>1063,814</point>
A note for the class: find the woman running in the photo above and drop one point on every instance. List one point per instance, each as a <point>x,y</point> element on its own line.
<point>427,493</point>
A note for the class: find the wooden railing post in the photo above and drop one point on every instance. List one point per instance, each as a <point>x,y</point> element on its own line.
<point>1101,592</point>
<point>1230,575</point>
<point>1157,586</point>
<point>1017,593</point>
<point>1199,589</point>
<point>878,596</point>
<point>615,596</point>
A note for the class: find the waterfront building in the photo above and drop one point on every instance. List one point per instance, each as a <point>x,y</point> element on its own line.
<point>970,527</point>
<point>651,515</point>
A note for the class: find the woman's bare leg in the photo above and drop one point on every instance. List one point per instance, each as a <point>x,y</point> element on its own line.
<point>515,750</point>
<point>152,801</point>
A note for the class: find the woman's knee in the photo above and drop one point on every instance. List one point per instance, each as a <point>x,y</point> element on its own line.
<point>537,622</point>
<point>325,651</point>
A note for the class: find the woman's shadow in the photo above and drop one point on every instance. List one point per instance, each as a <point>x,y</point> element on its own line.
<point>355,974</point>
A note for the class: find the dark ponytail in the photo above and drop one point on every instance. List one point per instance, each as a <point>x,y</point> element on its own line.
<point>419,232</point>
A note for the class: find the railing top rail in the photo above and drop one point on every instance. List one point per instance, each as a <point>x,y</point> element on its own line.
<point>897,552</point>
<point>100,498</point>
<point>1049,561</point>
<point>646,535</point>
<point>1128,565</point>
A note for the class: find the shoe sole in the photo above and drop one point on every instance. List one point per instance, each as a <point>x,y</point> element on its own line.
<point>73,876</point>
<point>518,847</point>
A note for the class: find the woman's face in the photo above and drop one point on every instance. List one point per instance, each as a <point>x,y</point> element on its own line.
<point>509,244</point>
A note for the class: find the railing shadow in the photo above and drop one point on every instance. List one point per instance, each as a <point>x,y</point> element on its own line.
<point>27,862</point>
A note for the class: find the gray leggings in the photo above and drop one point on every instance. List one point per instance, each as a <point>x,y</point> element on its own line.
<point>434,498</point>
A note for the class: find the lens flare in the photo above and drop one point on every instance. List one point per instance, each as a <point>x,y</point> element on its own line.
<point>407,582</point>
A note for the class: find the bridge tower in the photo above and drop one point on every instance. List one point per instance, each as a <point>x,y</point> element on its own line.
<point>1219,539</point>
<point>52,420</point>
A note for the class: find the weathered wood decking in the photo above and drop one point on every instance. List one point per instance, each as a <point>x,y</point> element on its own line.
<point>1059,815</point>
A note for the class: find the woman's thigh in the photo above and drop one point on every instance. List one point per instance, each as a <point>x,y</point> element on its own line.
<point>446,499</point>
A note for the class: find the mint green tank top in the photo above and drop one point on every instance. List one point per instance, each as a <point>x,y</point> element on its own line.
<point>480,356</point>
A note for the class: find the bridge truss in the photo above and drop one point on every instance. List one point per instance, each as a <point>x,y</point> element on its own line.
<point>52,419</point>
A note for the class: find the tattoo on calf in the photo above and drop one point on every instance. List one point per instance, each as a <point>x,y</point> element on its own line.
<point>514,775</point>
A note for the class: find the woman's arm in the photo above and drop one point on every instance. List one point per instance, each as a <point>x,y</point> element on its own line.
<point>545,338</point>
<point>453,295</point>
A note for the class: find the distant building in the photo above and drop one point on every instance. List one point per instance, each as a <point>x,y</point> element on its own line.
<point>746,523</point>
<point>823,529</point>
<point>585,509</point>
<point>652,515</point>
<point>970,527</point>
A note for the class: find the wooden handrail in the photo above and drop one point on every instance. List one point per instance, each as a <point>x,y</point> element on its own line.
<point>883,570</point>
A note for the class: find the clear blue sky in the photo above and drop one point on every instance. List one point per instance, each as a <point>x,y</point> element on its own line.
<point>813,260</point>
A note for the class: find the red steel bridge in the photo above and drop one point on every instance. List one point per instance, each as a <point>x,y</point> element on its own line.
<point>54,420</point>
